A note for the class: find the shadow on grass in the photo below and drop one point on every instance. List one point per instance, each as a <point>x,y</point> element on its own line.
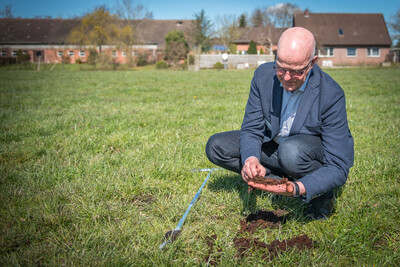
<point>234,183</point>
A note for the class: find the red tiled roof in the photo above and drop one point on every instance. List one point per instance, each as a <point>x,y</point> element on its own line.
<point>56,31</point>
<point>356,28</point>
<point>259,35</point>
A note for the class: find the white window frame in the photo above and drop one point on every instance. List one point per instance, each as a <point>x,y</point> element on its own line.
<point>71,53</point>
<point>114,53</point>
<point>3,53</point>
<point>329,52</point>
<point>123,54</point>
<point>370,49</point>
<point>82,54</point>
<point>355,52</point>
<point>60,53</point>
<point>14,53</point>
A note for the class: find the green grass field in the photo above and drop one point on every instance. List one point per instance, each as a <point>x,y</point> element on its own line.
<point>95,169</point>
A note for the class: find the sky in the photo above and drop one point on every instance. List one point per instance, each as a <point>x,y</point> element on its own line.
<point>184,9</point>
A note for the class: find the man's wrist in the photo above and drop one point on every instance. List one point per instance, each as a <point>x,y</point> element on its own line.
<point>296,191</point>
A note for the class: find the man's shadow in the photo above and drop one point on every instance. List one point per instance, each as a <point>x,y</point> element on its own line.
<point>233,182</point>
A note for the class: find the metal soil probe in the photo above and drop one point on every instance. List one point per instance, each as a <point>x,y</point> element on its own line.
<point>170,236</point>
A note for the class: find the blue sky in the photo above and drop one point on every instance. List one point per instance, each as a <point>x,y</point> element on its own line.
<point>184,9</point>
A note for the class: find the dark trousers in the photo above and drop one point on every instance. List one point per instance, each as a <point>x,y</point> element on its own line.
<point>295,157</point>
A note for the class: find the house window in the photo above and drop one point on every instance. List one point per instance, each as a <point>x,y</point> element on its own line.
<point>81,53</point>
<point>3,53</point>
<point>373,52</point>
<point>123,54</point>
<point>114,53</point>
<point>351,52</point>
<point>340,31</point>
<point>71,53</point>
<point>326,52</point>
<point>134,53</point>
<point>60,53</point>
<point>14,53</point>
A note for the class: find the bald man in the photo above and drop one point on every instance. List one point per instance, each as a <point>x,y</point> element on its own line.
<point>295,125</point>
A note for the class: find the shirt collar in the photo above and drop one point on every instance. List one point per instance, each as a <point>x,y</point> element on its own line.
<point>303,87</point>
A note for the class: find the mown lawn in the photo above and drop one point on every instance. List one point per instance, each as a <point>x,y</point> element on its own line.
<point>95,168</point>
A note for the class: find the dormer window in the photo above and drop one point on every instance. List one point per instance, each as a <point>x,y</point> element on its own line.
<point>179,22</point>
<point>340,31</point>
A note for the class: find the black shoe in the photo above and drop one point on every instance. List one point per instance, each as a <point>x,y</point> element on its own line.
<point>321,208</point>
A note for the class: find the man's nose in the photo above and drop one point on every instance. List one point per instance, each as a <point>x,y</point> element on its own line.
<point>287,76</point>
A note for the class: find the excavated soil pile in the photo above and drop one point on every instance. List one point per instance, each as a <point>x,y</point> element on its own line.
<point>260,220</point>
<point>245,245</point>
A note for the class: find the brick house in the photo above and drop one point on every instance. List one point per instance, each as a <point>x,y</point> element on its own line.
<point>265,37</point>
<point>47,40</point>
<point>348,39</point>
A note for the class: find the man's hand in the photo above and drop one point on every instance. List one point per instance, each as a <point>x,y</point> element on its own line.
<point>281,189</point>
<point>252,168</point>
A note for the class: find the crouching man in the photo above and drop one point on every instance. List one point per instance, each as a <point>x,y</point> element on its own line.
<point>295,125</point>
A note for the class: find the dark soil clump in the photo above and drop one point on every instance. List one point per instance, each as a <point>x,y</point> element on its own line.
<point>262,219</point>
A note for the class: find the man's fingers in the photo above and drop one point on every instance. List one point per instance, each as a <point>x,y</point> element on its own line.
<point>290,188</point>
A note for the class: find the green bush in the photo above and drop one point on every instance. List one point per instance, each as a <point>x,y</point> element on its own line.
<point>191,60</point>
<point>161,65</point>
<point>218,66</point>
<point>104,61</point>
<point>92,57</point>
<point>252,48</point>
<point>141,59</point>
<point>23,57</point>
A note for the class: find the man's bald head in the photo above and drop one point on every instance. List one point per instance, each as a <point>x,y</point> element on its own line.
<point>296,46</point>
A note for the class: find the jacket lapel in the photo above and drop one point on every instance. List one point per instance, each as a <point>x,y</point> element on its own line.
<point>308,99</point>
<point>276,105</point>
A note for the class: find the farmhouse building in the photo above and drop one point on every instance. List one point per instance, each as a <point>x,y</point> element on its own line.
<point>47,40</point>
<point>343,39</point>
<point>348,39</point>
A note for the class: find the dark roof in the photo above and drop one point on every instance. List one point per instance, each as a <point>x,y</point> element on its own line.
<point>153,31</point>
<point>56,31</point>
<point>36,31</point>
<point>261,35</point>
<point>355,28</point>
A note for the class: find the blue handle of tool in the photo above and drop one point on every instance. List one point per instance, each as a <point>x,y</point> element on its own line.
<point>179,226</point>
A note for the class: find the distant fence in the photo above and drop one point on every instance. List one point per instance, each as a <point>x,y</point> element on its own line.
<point>233,62</point>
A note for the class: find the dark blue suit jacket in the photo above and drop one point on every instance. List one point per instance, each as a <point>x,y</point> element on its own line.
<point>321,112</point>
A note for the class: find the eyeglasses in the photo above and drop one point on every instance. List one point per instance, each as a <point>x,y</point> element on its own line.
<point>292,73</point>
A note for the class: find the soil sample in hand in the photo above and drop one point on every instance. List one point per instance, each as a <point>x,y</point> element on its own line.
<point>267,180</point>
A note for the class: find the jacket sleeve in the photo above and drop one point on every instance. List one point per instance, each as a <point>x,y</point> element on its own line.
<point>252,130</point>
<point>338,146</point>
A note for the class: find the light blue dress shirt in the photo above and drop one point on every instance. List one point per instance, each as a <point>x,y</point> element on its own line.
<point>290,103</point>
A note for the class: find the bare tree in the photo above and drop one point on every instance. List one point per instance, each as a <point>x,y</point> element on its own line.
<point>259,18</point>
<point>395,26</point>
<point>227,29</point>
<point>97,29</point>
<point>282,14</point>
<point>131,15</point>
<point>6,12</point>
